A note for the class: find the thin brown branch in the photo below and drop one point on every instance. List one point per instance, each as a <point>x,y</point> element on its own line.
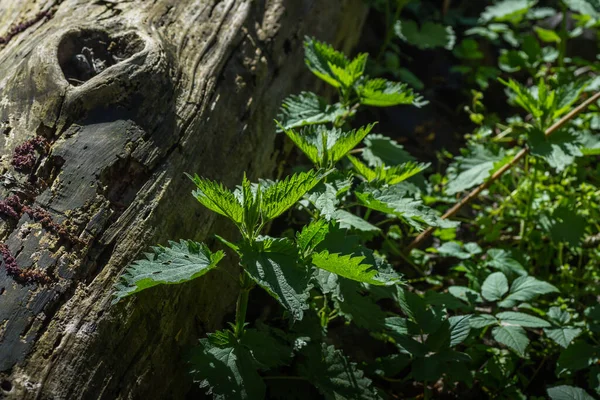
<point>496,175</point>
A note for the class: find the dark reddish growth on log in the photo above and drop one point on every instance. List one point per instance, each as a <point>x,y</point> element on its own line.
<point>21,275</point>
<point>24,156</point>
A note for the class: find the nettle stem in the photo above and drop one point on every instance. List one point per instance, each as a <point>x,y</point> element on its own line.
<point>242,304</point>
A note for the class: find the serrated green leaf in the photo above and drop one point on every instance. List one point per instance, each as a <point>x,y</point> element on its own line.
<point>502,260</point>
<point>390,175</point>
<point>383,93</point>
<point>273,264</point>
<point>225,368</point>
<point>381,150</point>
<point>334,375</point>
<point>282,195</point>
<point>511,318</point>
<point>460,328</point>
<point>309,109</point>
<point>348,220</point>
<point>321,59</point>
<point>559,150</point>
<point>563,336</point>
<point>311,235</point>
<point>565,392</point>
<point>178,263</point>
<point>513,337</point>
<point>526,288</point>
<point>454,249</point>
<point>368,173</point>
<point>326,146</point>
<point>394,200</point>
<point>494,287</point>
<point>429,35</point>
<point>558,315</point>
<point>482,320</point>
<point>352,267</point>
<point>464,293</point>
<point>472,170</point>
<point>217,198</point>
<point>350,73</point>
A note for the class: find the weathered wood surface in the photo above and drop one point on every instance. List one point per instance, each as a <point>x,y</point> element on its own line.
<point>129,95</point>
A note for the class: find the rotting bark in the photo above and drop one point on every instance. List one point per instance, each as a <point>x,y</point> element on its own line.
<point>128,95</point>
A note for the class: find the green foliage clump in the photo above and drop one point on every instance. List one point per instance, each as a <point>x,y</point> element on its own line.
<point>502,304</point>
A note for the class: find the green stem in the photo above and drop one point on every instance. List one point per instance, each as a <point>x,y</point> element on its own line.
<point>390,27</point>
<point>242,304</point>
<point>529,206</point>
<point>564,35</point>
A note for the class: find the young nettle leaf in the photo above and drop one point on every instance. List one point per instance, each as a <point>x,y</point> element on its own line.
<point>334,375</point>
<point>177,263</point>
<point>559,150</point>
<point>428,36</point>
<point>309,109</point>
<point>217,198</point>
<point>332,66</point>
<point>565,392</point>
<point>380,92</point>
<point>323,146</point>
<point>311,235</point>
<point>472,170</point>
<point>251,205</point>
<point>226,368</point>
<point>352,267</point>
<point>389,175</point>
<point>282,195</point>
<point>274,264</point>
<point>544,103</point>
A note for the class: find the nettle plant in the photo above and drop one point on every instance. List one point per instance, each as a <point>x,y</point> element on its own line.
<point>322,270</point>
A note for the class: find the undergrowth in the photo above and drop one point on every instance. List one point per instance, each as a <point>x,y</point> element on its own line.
<point>478,281</point>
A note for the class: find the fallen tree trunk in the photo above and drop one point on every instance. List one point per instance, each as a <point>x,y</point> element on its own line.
<point>103,106</point>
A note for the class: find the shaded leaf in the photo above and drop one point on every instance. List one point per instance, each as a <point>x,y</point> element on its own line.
<point>565,392</point>
<point>308,109</point>
<point>494,287</point>
<point>273,264</point>
<point>513,337</point>
<point>334,375</point>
